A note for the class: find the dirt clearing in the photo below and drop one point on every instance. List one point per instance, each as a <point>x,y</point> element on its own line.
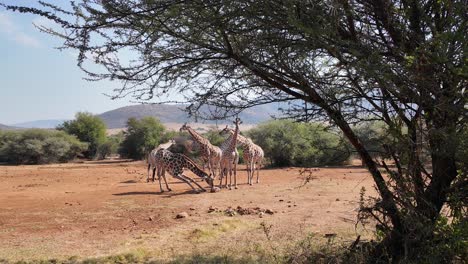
<point>101,208</point>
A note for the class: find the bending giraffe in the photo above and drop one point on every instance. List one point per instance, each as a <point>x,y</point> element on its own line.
<point>211,154</point>
<point>230,157</point>
<point>175,163</point>
<point>252,153</point>
<point>152,163</point>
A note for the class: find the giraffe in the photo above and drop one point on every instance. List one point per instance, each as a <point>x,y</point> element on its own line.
<point>210,154</point>
<point>152,164</point>
<point>253,155</point>
<point>229,157</point>
<point>175,163</point>
<point>159,156</point>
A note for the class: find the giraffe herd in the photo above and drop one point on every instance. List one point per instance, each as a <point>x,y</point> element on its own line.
<point>222,161</point>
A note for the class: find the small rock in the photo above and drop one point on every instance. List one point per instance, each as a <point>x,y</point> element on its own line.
<point>215,189</point>
<point>192,209</point>
<point>230,212</point>
<point>268,211</point>
<point>150,218</point>
<point>261,214</point>
<point>337,199</point>
<point>289,205</point>
<point>182,215</point>
<point>281,200</point>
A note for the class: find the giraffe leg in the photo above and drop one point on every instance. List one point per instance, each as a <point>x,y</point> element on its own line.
<point>252,171</point>
<point>249,170</point>
<point>225,176</point>
<point>258,172</point>
<point>154,171</point>
<point>210,166</point>
<point>235,175</point>
<point>178,176</point>
<point>148,177</point>
<point>220,177</point>
<point>230,176</point>
<point>164,177</point>
<point>191,180</point>
<point>161,190</point>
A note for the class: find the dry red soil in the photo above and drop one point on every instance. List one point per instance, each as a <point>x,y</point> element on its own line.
<point>101,208</point>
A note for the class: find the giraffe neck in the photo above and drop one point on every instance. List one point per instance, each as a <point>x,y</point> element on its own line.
<point>240,139</point>
<point>197,137</point>
<point>233,142</point>
<point>192,166</point>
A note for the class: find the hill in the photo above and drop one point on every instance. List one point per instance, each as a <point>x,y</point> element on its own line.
<point>174,114</point>
<point>167,114</point>
<point>5,127</point>
<point>51,123</point>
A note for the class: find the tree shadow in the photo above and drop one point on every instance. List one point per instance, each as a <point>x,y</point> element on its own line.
<point>165,194</point>
<point>130,181</point>
<point>109,161</point>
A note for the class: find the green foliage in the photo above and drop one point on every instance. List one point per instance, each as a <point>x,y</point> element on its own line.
<point>110,146</point>
<point>287,143</point>
<point>214,137</point>
<point>38,146</point>
<point>141,137</point>
<point>373,135</point>
<point>87,128</point>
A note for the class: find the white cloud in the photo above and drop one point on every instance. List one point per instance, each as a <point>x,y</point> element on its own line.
<point>13,32</point>
<point>26,40</point>
<point>6,23</point>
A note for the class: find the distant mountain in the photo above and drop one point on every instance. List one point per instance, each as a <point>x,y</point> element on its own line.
<point>173,114</point>
<point>5,127</point>
<point>51,123</point>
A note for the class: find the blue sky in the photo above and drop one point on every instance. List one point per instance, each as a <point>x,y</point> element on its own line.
<point>40,82</point>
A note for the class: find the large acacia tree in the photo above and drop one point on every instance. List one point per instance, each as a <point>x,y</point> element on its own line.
<point>401,62</point>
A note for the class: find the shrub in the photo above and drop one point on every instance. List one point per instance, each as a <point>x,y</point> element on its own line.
<point>141,137</point>
<point>37,146</point>
<point>110,146</point>
<point>87,128</point>
<point>287,143</point>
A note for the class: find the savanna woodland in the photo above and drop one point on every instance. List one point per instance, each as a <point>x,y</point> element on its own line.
<point>403,63</point>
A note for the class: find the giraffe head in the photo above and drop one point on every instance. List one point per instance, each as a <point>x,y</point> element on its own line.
<point>207,177</point>
<point>210,180</point>
<point>237,121</point>
<point>226,130</point>
<point>184,127</point>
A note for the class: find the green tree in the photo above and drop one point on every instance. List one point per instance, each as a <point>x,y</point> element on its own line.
<point>214,137</point>
<point>400,62</point>
<point>141,137</point>
<point>38,146</point>
<point>87,128</point>
<point>288,143</point>
<point>110,146</point>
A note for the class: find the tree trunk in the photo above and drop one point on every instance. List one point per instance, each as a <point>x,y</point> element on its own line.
<point>443,145</point>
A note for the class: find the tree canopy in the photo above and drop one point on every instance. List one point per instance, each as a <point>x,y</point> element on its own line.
<point>287,143</point>
<point>141,137</point>
<point>87,128</point>
<point>343,62</point>
<point>38,146</point>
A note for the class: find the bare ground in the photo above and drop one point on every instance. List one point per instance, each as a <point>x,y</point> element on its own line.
<point>101,208</point>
